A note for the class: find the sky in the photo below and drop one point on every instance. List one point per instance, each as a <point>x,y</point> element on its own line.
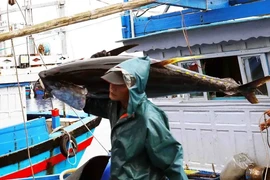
<point>83,39</point>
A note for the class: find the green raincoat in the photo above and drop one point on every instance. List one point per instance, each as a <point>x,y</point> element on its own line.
<point>142,144</point>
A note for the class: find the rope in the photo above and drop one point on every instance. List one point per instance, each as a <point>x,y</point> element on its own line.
<point>90,131</point>
<point>21,102</point>
<point>70,146</point>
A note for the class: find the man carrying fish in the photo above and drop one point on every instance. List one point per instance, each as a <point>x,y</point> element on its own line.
<point>142,144</point>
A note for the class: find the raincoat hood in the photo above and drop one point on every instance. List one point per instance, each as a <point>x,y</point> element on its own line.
<point>135,74</point>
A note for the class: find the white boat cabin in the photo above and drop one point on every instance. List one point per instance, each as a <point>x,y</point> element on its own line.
<point>12,112</point>
<point>212,126</point>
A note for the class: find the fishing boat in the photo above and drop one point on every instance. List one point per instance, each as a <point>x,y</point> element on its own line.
<point>98,168</point>
<point>36,144</point>
<point>207,123</point>
<point>219,39</point>
<point>39,146</point>
<point>27,72</point>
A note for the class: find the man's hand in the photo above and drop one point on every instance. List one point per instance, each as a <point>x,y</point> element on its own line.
<point>265,125</point>
<point>267,112</point>
<point>101,54</point>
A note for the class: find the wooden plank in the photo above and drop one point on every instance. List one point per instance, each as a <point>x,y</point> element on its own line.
<point>80,17</point>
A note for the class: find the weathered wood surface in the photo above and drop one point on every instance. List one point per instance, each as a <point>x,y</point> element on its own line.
<point>77,18</point>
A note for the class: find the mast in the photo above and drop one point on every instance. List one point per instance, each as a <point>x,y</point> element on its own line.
<point>30,49</point>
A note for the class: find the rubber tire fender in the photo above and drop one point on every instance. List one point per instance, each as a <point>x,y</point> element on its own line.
<point>63,145</point>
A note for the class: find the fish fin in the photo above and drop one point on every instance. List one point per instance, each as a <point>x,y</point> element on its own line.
<point>248,89</point>
<point>251,97</point>
<point>255,84</point>
<point>119,50</point>
<point>174,60</point>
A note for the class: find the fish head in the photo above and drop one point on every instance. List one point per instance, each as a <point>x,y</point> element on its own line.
<point>72,94</point>
<point>73,82</point>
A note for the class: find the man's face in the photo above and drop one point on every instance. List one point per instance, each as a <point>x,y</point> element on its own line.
<point>119,92</point>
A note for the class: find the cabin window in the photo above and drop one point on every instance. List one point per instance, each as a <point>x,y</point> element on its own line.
<point>254,67</point>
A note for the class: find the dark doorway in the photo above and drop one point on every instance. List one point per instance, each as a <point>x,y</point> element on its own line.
<point>222,67</point>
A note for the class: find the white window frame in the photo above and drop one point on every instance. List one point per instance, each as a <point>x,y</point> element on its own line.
<point>264,67</point>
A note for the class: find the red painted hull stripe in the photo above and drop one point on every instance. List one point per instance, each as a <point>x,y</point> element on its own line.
<point>42,166</point>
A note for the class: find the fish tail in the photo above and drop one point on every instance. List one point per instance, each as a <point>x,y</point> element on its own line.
<point>251,97</point>
<point>248,89</point>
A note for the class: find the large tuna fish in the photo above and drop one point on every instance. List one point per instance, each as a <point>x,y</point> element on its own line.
<point>73,82</point>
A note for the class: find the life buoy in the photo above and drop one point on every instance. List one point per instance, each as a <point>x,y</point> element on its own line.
<point>64,145</point>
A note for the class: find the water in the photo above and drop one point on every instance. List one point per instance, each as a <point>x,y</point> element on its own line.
<point>43,106</point>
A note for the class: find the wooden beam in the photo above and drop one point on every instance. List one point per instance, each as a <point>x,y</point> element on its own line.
<point>80,17</point>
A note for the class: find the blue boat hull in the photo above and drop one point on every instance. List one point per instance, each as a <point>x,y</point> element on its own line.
<point>96,168</point>
<point>45,152</point>
<point>48,177</point>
